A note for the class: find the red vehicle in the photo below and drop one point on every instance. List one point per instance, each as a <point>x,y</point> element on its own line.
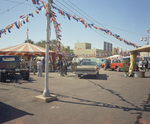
<point>112,64</point>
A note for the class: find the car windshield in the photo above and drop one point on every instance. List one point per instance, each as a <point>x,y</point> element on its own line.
<point>89,63</point>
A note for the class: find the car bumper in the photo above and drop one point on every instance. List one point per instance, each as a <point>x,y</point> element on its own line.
<point>86,73</point>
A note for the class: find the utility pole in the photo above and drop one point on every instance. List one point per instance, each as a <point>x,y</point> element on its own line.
<point>148,42</point>
<point>146,39</point>
<point>46,96</point>
<point>46,92</point>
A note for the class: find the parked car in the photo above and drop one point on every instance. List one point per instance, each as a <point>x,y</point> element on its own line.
<point>87,68</point>
<point>10,67</point>
<point>112,64</point>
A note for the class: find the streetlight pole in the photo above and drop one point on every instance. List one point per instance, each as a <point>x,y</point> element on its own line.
<point>148,43</point>
<point>46,92</point>
<point>146,39</point>
<point>46,97</point>
<point>148,36</point>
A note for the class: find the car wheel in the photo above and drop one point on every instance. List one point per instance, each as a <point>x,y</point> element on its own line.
<point>79,75</point>
<point>26,76</point>
<point>118,69</point>
<point>96,76</point>
<point>2,77</point>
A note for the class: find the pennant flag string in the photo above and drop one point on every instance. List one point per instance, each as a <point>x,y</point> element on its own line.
<point>24,18</point>
<point>94,26</point>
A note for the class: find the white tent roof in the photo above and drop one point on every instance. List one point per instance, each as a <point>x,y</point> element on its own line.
<point>142,49</point>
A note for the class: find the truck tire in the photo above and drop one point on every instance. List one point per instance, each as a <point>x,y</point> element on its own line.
<point>26,76</point>
<point>79,75</point>
<point>96,76</point>
<point>2,77</point>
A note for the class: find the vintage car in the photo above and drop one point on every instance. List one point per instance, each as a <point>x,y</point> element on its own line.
<point>87,68</point>
<point>10,67</point>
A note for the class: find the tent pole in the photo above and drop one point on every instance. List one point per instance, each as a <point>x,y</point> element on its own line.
<point>46,92</point>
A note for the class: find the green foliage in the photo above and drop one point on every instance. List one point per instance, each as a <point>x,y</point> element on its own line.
<point>125,67</point>
<point>32,42</point>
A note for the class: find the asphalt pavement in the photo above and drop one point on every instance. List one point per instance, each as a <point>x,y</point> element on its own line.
<point>112,98</point>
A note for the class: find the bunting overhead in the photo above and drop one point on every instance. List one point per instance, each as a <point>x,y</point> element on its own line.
<point>25,18</point>
<point>78,19</point>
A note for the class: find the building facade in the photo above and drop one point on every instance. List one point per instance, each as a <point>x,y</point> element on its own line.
<point>84,50</point>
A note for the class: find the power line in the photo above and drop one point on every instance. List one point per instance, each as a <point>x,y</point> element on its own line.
<point>19,3</point>
<point>88,19</point>
<point>103,23</point>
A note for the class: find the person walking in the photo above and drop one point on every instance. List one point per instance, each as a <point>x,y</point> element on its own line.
<point>61,67</point>
<point>39,68</point>
<point>43,63</point>
<point>65,65</point>
<point>34,66</point>
<point>146,65</point>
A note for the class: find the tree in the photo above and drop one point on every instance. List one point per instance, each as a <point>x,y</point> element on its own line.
<point>32,42</point>
<point>53,45</point>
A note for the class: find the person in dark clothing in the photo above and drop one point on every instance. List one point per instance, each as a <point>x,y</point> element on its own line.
<point>61,68</point>
<point>65,65</point>
<point>146,65</point>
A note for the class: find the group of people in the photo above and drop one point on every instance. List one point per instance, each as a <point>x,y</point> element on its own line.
<point>38,67</point>
<point>37,64</point>
<point>62,67</point>
<point>146,65</point>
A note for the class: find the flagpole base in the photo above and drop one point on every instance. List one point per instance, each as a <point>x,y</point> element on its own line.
<point>41,98</point>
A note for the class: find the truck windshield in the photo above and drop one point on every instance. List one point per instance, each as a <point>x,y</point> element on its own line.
<point>8,59</point>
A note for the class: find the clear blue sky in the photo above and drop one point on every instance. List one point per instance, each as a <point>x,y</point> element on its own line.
<point>128,18</point>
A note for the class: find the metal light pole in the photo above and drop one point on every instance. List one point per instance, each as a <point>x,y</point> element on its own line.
<point>46,92</point>
<point>46,96</point>
<point>146,39</point>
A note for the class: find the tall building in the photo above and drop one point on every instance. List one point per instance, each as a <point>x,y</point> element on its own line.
<point>107,46</point>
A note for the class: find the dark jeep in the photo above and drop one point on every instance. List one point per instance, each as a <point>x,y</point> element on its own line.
<point>10,67</point>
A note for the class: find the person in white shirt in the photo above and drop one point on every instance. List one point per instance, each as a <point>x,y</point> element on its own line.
<point>39,68</point>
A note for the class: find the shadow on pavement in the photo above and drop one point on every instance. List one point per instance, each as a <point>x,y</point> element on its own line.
<point>16,80</point>
<point>8,113</point>
<point>100,77</point>
<point>147,77</point>
<point>99,104</point>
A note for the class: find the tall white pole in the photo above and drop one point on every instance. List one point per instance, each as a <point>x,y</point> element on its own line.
<point>148,41</point>
<point>46,92</point>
